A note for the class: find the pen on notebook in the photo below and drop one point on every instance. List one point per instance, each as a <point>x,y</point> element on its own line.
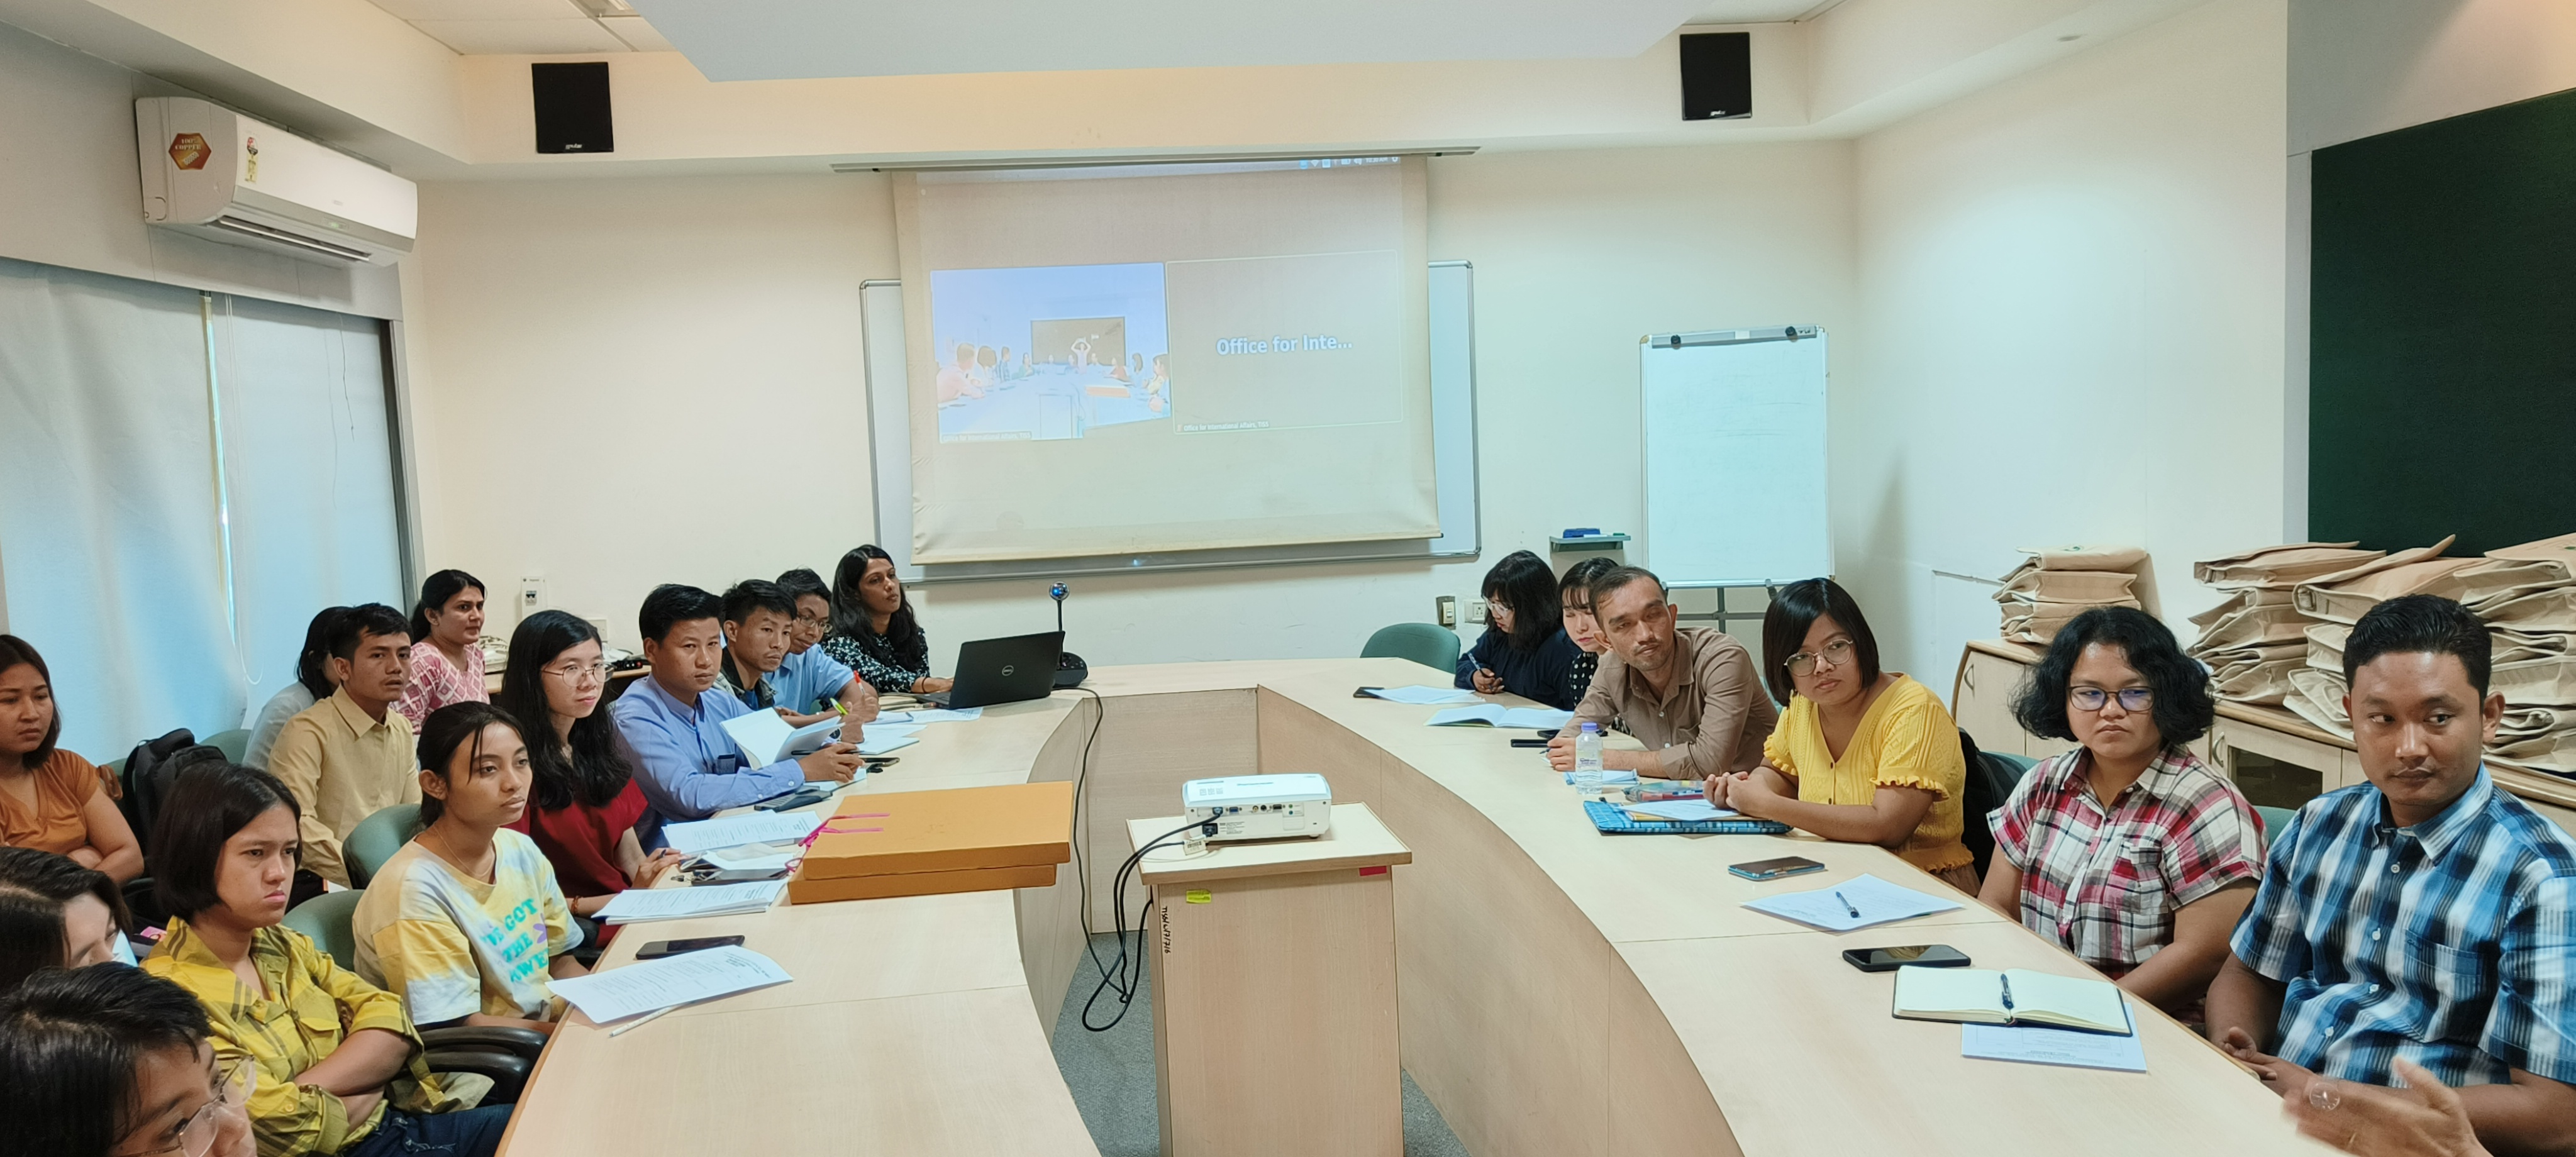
<point>2007,983</point>
<point>1847,905</point>
<point>654,1015</point>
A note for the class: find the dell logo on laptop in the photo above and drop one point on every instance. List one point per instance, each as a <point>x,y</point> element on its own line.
<point>1006,671</point>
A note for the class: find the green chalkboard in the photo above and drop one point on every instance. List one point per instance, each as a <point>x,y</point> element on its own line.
<point>2442,331</point>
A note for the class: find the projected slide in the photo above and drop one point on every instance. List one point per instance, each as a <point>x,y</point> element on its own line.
<point>1207,346</point>
<point>1049,352</point>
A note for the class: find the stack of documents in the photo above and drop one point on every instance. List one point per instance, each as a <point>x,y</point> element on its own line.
<point>765,738</point>
<point>1496,715</point>
<point>653,985</point>
<point>736,830</point>
<point>2256,639</point>
<point>1859,902</point>
<point>1421,695</point>
<point>2054,585</point>
<point>645,905</point>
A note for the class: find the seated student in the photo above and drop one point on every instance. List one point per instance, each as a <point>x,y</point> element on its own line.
<point>466,921</point>
<point>1574,597</point>
<point>50,799</point>
<point>313,684</point>
<point>686,764</point>
<point>350,755</point>
<point>107,1061</point>
<point>810,683</point>
<point>1689,693</point>
<point>56,914</point>
<point>2423,915</point>
<point>583,805</point>
<point>446,654</point>
<point>338,1065</point>
<point>874,631</point>
<point>1523,651</point>
<point>2128,851</point>
<point>1861,755</point>
<point>758,636</point>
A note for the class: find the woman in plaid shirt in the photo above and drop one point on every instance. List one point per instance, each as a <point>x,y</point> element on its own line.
<point>2127,851</point>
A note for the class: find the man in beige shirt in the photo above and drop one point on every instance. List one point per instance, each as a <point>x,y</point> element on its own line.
<point>1690,694</point>
<point>350,756</point>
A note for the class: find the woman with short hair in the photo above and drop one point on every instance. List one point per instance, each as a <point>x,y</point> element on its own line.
<point>106,1061</point>
<point>55,913</point>
<point>2127,851</point>
<point>1524,650</point>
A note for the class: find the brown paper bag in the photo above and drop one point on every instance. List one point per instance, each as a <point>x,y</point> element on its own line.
<point>2281,567</point>
<point>2347,601</point>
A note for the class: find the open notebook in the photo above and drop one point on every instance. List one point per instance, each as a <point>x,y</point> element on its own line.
<point>2012,996</point>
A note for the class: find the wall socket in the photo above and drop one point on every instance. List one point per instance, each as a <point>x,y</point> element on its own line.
<point>532,595</point>
<point>1446,607</point>
<point>1476,611</point>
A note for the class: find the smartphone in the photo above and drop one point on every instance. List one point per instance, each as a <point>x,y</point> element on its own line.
<point>1529,743</point>
<point>1917,955</point>
<point>743,876</point>
<point>809,794</point>
<point>661,948</point>
<point>1776,868</point>
<point>1366,692</point>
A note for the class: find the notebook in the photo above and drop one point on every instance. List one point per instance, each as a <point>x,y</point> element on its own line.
<point>765,738</point>
<point>2014,996</point>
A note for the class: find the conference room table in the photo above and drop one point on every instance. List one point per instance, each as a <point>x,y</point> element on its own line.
<point>1560,992</point>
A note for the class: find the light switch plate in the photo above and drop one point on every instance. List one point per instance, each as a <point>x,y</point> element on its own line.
<point>1446,606</point>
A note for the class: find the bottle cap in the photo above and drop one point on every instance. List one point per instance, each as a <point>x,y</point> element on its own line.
<point>1590,727</point>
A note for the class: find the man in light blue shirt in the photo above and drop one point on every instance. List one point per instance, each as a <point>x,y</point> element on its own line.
<point>691,768</point>
<point>808,679</point>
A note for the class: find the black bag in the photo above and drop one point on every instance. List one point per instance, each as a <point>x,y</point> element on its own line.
<point>1991,781</point>
<point>139,770</point>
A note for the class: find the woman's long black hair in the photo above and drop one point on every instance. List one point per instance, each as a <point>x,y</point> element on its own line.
<point>316,655</point>
<point>903,643</point>
<point>1529,589</point>
<point>434,593</point>
<point>596,771</point>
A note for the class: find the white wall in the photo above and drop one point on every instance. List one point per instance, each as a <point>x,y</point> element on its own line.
<point>2071,327</point>
<point>74,193</point>
<point>2363,67</point>
<point>609,368</point>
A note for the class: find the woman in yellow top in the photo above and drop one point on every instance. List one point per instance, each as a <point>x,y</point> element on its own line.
<point>1862,755</point>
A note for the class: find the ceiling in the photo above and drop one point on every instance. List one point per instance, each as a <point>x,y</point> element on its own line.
<point>770,39</point>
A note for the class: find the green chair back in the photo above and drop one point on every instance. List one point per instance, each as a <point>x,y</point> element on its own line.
<point>2274,819</point>
<point>1429,644</point>
<point>325,919</point>
<point>232,743</point>
<point>377,838</point>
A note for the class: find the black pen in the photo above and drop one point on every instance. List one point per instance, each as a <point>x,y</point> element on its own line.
<point>1847,905</point>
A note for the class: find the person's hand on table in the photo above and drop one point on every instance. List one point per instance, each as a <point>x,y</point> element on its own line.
<point>867,707</point>
<point>2284,1078</point>
<point>1714,789</point>
<point>656,866</point>
<point>835,763</point>
<point>2424,1119</point>
<point>1487,683</point>
<point>1748,793</point>
<point>795,720</point>
<point>1560,753</point>
<point>931,685</point>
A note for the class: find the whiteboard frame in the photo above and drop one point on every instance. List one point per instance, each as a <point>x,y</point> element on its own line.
<point>1453,447</point>
<point>1645,492</point>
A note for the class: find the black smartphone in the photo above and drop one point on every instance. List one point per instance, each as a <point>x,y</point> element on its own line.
<point>743,876</point>
<point>1774,869</point>
<point>809,794</point>
<point>1366,692</point>
<point>661,948</point>
<point>1917,955</point>
<point>1529,743</point>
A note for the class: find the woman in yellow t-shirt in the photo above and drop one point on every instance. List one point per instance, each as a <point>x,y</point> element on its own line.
<point>1861,755</point>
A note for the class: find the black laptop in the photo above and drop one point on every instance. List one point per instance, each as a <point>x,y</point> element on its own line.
<point>1008,670</point>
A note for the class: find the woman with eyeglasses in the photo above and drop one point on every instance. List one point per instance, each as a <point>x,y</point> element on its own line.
<point>105,1061</point>
<point>1524,650</point>
<point>337,1065</point>
<point>1861,755</point>
<point>583,805</point>
<point>2128,850</point>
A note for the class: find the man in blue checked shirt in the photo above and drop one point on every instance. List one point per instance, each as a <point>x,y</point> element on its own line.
<point>2426,915</point>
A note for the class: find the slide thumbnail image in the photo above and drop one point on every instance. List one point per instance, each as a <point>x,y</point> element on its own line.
<point>1049,351</point>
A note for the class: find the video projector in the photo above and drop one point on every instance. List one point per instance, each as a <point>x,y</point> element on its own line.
<point>1261,807</point>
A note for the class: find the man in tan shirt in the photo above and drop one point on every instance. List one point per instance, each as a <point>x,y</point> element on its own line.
<point>1690,694</point>
<point>350,756</point>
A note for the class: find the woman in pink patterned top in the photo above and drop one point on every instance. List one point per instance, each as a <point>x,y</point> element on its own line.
<point>446,657</point>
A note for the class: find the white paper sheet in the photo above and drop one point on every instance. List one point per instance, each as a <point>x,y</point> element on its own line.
<point>1497,715</point>
<point>2054,1046</point>
<point>639,905</point>
<point>879,745</point>
<point>1424,695</point>
<point>653,984</point>
<point>764,737</point>
<point>755,827</point>
<point>932,715</point>
<point>1831,906</point>
<point>755,857</point>
<point>1682,809</point>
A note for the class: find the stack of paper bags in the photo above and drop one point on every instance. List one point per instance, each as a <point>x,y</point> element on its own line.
<point>2331,603</point>
<point>2054,585</point>
<point>2255,640</point>
<point>2527,595</point>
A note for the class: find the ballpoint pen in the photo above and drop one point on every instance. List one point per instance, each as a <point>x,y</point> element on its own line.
<point>1847,905</point>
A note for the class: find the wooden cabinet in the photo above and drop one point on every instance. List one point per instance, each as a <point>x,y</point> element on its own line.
<point>1981,700</point>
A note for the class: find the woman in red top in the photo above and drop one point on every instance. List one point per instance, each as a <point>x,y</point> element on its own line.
<point>583,802</point>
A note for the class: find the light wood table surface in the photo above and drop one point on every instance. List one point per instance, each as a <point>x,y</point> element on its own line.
<point>1561,992</point>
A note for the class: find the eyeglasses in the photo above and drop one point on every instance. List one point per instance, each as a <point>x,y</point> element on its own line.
<point>232,1087</point>
<point>1834,654</point>
<point>2093,698</point>
<point>578,672</point>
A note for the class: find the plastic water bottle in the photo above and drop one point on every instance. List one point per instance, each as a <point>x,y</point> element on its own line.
<point>1587,759</point>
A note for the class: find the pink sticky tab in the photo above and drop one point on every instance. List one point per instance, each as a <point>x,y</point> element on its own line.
<point>1379,870</point>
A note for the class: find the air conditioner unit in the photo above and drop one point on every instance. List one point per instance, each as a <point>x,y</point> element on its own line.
<point>214,172</point>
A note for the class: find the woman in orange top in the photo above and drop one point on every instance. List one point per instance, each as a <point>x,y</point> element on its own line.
<point>49,798</point>
<point>1861,755</point>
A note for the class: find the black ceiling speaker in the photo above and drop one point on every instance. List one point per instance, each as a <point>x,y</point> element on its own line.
<point>572,107</point>
<point>1717,76</point>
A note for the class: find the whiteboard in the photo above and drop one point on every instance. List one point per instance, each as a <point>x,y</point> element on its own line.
<point>1734,461</point>
<point>1453,448</point>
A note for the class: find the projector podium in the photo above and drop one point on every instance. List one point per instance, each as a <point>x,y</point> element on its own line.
<point>1274,992</point>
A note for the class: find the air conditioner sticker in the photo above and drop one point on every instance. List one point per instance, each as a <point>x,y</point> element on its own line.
<point>250,158</point>
<point>189,151</point>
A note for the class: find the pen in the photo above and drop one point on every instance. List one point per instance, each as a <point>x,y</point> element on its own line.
<point>1847,905</point>
<point>2007,983</point>
<point>649,1018</point>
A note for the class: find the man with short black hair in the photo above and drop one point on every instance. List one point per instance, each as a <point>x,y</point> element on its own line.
<point>350,756</point>
<point>1689,694</point>
<point>810,682</point>
<point>761,629</point>
<point>2426,915</point>
<point>691,768</point>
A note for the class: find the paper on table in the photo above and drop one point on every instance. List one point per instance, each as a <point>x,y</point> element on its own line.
<point>755,858</point>
<point>1879,902</point>
<point>2055,1046</point>
<point>932,715</point>
<point>879,745</point>
<point>1423,695</point>
<point>765,738</point>
<point>1496,715</point>
<point>1609,777</point>
<point>1683,809</point>
<point>673,980</point>
<point>638,905</point>
<point>881,729</point>
<point>734,831</point>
